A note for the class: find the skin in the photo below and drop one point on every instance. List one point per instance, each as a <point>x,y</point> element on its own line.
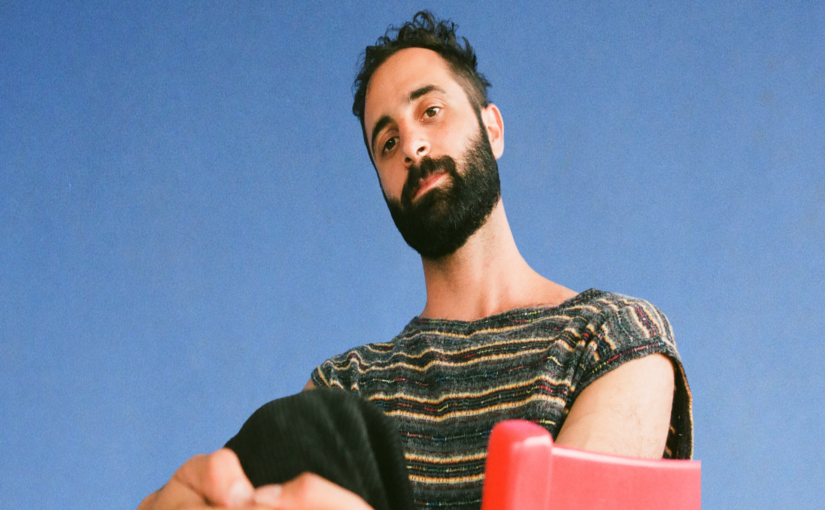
<point>420,110</point>
<point>626,411</point>
<point>487,275</point>
<point>217,481</point>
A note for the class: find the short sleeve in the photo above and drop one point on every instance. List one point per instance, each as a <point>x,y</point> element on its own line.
<point>318,379</point>
<point>628,329</point>
<point>341,371</point>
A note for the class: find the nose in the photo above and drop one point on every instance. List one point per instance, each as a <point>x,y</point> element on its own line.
<point>415,147</point>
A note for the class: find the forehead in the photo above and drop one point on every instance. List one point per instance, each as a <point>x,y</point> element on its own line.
<point>405,71</point>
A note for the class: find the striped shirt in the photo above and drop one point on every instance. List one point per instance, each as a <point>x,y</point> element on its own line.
<point>447,382</point>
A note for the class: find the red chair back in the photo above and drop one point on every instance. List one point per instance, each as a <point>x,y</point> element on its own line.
<point>524,471</point>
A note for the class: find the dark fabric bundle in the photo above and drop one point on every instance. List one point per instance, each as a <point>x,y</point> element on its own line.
<point>333,434</point>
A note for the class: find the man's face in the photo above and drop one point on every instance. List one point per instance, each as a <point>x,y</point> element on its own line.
<point>431,151</point>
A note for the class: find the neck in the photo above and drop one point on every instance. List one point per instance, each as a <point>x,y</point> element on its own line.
<point>486,276</point>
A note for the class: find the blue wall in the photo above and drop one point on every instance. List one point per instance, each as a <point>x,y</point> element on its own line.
<point>189,222</point>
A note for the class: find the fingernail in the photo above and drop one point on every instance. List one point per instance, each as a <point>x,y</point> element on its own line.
<point>268,494</point>
<point>239,494</point>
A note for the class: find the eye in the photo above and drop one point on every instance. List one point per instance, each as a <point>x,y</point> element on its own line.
<point>389,144</point>
<point>432,111</point>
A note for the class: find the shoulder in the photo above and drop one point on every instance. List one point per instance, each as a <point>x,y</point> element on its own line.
<point>624,320</point>
<point>618,329</point>
<point>613,303</point>
<point>632,342</point>
<point>346,369</point>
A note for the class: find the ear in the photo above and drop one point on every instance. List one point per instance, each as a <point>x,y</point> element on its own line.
<point>494,126</point>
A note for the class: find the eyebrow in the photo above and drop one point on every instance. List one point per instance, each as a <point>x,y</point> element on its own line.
<point>386,119</point>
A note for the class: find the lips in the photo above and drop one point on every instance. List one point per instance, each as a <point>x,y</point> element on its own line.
<point>425,176</point>
<point>429,182</point>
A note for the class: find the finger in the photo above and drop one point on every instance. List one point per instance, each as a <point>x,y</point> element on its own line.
<point>309,491</point>
<point>217,478</point>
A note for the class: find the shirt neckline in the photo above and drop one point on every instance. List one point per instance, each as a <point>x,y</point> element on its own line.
<point>509,314</point>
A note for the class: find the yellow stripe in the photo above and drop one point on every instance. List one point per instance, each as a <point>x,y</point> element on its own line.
<point>469,394</point>
<point>433,459</point>
<point>446,481</point>
<point>474,412</point>
<point>452,353</point>
<point>443,363</point>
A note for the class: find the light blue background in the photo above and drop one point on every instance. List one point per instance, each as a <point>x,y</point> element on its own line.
<point>189,222</point>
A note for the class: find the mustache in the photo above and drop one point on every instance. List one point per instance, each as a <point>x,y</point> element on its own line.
<point>422,170</point>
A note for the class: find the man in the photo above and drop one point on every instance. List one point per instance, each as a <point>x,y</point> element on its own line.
<point>495,340</point>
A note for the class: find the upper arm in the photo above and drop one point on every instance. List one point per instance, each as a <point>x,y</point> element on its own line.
<point>624,412</point>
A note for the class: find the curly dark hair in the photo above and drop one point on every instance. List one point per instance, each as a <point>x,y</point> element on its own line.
<point>424,31</point>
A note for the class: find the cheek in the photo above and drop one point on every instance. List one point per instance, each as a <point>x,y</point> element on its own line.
<point>452,141</point>
<point>391,181</point>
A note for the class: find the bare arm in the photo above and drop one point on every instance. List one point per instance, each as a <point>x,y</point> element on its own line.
<point>624,412</point>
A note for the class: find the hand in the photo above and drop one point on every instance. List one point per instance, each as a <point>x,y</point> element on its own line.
<point>309,491</point>
<point>205,481</point>
<point>217,480</point>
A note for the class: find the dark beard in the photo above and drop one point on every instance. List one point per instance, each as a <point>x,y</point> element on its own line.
<point>442,220</point>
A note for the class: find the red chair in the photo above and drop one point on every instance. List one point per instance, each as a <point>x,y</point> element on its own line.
<point>524,471</point>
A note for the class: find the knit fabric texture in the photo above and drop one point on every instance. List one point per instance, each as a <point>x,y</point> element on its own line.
<point>446,382</point>
<point>333,434</point>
